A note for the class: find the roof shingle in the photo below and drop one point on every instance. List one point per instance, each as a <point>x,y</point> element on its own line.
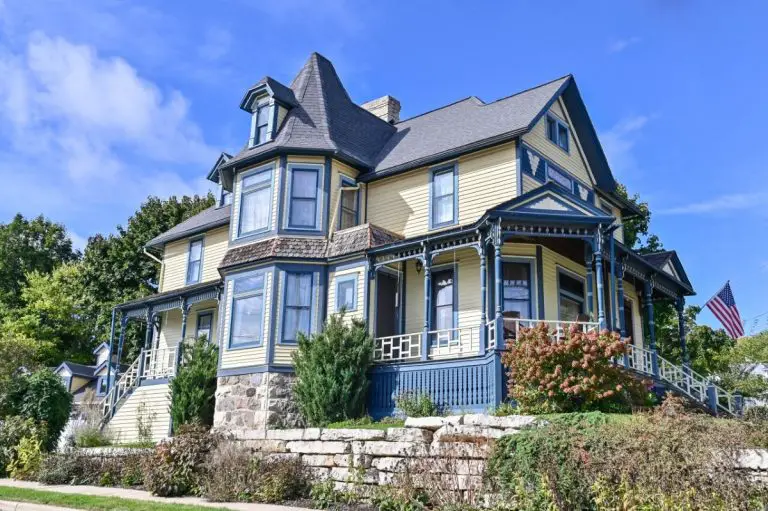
<point>203,221</point>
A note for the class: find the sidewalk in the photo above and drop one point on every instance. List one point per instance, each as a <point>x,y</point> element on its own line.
<point>127,494</point>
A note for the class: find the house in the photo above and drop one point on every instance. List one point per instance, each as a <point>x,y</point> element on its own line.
<point>80,379</point>
<point>445,232</point>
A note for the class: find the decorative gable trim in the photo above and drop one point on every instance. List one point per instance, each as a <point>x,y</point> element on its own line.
<point>551,199</point>
<point>540,168</point>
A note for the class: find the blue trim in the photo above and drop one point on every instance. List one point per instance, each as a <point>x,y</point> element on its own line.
<point>320,190</point>
<point>540,281</point>
<point>202,314</point>
<point>351,182</point>
<point>442,169</point>
<point>529,262</point>
<point>454,271</point>
<point>239,371</point>
<point>558,123</point>
<point>157,381</point>
<point>366,294</point>
<point>339,280</point>
<point>192,241</point>
<point>542,174</point>
<point>285,269</point>
<point>347,265</point>
<point>560,292</point>
<point>239,233</point>
<point>247,294</point>
<point>281,205</point>
<point>272,339</point>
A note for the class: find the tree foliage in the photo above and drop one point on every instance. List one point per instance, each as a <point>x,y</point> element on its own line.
<point>739,364</point>
<point>331,371</point>
<point>194,387</point>
<point>26,247</point>
<point>573,374</point>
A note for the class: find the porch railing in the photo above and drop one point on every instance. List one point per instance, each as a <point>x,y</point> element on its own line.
<point>490,327</point>
<point>557,328</point>
<point>127,381</point>
<point>159,363</point>
<point>454,342</point>
<point>397,348</point>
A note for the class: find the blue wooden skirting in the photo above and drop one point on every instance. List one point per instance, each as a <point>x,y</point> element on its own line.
<point>455,385</point>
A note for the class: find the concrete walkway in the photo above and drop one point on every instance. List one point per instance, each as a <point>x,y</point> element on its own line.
<point>124,493</point>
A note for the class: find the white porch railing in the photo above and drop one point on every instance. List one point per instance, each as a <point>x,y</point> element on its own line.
<point>557,329</point>
<point>454,342</point>
<point>490,327</point>
<point>127,381</point>
<point>397,348</point>
<point>159,363</point>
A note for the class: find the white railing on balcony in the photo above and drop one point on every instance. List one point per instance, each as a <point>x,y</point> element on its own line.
<point>454,342</point>
<point>397,348</point>
<point>159,363</point>
<point>557,329</point>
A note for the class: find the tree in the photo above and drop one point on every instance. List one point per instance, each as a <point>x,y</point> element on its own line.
<point>28,246</point>
<point>115,271</point>
<point>331,371</point>
<point>51,316</point>
<point>636,229</point>
<point>193,389</point>
<point>740,362</point>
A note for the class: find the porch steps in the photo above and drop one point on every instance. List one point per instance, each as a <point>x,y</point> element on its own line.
<point>120,390</point>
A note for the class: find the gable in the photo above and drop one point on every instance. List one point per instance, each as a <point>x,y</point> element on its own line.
<point>670,269</point>
<point>573,160</point>
<point>550,200</point>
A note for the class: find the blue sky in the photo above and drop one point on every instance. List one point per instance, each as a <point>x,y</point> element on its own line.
<point>103,102</point>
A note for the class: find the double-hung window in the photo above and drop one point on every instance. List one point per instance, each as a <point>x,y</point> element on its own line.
<point>298,306</point>
<point>255,202</point>
<point>443,296</point>
<point>247,311</point>
<point>260,124</point>
<point>303,204</point>
<point>204,325</point>
<point>349,204</point>
<point>517,288</point>
<point>101,386</point>
<point>444,196</point>
<point>571,296</point>
<point>557,133</point>
<point>194,261</point>
<point>346,292</point>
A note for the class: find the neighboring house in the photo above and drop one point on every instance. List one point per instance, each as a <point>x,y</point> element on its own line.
<point>79,378</point>
<point>444,232</point>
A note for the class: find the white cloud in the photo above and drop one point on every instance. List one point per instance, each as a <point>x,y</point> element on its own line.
<point>720,204</point>
<point>619,143</point>
<point>619,45</point>
<point>78,130</point>
<point>78,242</point>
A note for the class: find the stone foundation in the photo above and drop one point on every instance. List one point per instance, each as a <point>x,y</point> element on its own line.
<point>256,401</point>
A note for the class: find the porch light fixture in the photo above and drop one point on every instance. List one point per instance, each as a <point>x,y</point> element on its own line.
<point>419,265</point>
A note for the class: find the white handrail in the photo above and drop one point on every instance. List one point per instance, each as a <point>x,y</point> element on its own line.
<point>159,363</point>
<point>127,381</point>
<point>454,342</point>
<point>397,348</point>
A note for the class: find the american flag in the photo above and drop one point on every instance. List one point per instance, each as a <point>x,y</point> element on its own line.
<point>723,306</point>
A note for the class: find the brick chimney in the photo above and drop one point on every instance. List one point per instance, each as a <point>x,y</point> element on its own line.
<point>385,107</point>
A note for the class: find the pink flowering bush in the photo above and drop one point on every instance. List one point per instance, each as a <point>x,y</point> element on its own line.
<point>574,373</point>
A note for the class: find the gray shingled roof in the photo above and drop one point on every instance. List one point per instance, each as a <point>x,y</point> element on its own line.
<point>325,119</point>
<point>201,222</point>
<point>462,124</point>
<point>658,259</point>
<point>348,241</point>
<point>80,369</point>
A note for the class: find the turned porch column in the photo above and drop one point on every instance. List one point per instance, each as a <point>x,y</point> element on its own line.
<point>109,357</point>
<point>599,278</point>
<point>499,293</point>
<point>483,300</point>
<point>648,288</point>
<point>588,259</point>
<point>427,303</point>
<point>680,306</point>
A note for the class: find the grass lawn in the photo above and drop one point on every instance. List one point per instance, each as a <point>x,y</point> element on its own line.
<point>91,502</point>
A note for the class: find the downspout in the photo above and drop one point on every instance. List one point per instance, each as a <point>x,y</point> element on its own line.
<point>153,257</point>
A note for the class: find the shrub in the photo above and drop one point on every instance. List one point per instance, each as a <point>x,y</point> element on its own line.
<point>757,414</point>
<point>76,468</point>
<point>573,374</point>
<point>331,372</point>
<point>416,404</point>
<point>89,435</point>
<point>12,431</point>
<point>176,465</point>
<point>504,409</point>
<point>666,460</point>
<point>40,396</point>
<point>280,480</point>
<point>29,455</point>
<point>194,387</point>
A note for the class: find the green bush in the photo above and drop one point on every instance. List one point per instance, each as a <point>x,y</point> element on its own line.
<point>12,431</point>
<point>29,455</point>
<point>90,435</point>
<point>758,414</point>
<point>74,467</point>
<point>665,460</point>
<point>574,374</point>
<point>193,388</point>
<point>331,372</point>
<point>416,404</point>
<point>40,396</point>
<point>176,466</point>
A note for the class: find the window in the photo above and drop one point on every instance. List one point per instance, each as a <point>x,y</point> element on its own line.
<point>557,133</point>
<point>259,124</point>
<point>571,297</point>
<point>349,204</point>
<point>247,311</point>
<point>204,325</point>
<point>346,292</point>
<point>517,288</point>
<point>101,386</point>
<point>443,197</point>
<point>298,305</point>
<point>442,298</point>
<point>303,207</point>
<point>194,261</point>
<point>225,197</point>
<point>255,202</point>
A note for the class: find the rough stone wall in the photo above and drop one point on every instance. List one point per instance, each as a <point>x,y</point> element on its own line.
<point>255,401</point>
<point>449,451</point>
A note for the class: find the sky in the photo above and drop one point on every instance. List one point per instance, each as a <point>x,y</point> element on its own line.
<point>104,102</point>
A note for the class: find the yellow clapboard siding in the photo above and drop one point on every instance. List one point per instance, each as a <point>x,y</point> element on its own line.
<point>283,354</point>
<point>571,161</point>
<point>338,170</point>
<point>77,383</point>
<point>276,176</point>
<point>246,356</point>
<point>616,212</point>
<point>414,298</point>
<point>529,183</point>
<point>176,255</point>
<point>156,399</point>
<point>359,271</point>
<point>170,331</point>
<point>401,203</point>
<point>631,293</point>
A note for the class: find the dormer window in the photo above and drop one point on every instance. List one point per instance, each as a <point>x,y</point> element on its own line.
<point>557,133</point>
<point>260,124</point>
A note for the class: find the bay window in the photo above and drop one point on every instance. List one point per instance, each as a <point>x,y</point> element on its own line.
<point>297,312</point>
<point>303,210</point>
<point>247,312</point>
<point>255,202</point>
